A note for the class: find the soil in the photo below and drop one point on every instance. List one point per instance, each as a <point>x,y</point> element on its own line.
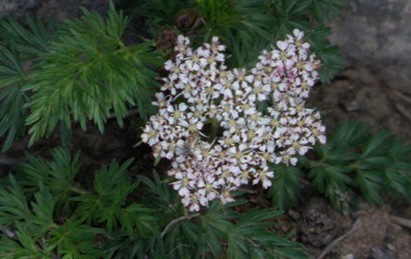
<point>357,94</point>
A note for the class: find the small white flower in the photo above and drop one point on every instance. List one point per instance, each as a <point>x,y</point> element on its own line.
<point>202,92</point>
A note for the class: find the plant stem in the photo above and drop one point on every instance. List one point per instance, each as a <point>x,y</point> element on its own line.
<point>176,220</point>
<point>78,190</point>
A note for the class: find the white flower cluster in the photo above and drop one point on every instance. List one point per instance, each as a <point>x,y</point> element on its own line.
<point>199,92</point>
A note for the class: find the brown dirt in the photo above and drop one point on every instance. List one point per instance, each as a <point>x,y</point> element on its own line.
<point>359,94</point>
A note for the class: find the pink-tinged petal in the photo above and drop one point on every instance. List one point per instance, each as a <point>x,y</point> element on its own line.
<point>182,107</point>
<point>168,65</point>
<point>303,150</point>
<point>228,93</point>
<point>203,201</point>
<point>282,45</point>
<point>194,207</point>
<point>322,139</point>
<point>298,34</point>
<point>183,191</point>
<point>211,196</point>
<point>266,183</point>
<point>186,200</point>
<point>226,198</point>
<point>293,161</point>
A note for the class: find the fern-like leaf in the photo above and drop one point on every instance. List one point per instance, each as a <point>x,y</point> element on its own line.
<point>89,73</point>
<point>43,209</point>
<point>58,174</point>
<point>75,240</point>
<point>12,78</point>
<point>13,203</point>
<point>285,188</point>
<point>326,9</point>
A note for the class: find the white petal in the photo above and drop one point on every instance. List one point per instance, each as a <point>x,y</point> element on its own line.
<point>282,45</point>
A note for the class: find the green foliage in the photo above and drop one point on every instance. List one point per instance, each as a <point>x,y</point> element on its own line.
<point>83,71</point>
<point>246,27</point>
<point>23,246</point>
<point>221,230</point>
<point>49,215</point>
<point>12,77</point>
<point>354,161</point>
<point>107,204</point>
<point>58,174</point>
<point>288,15</point>
<point>44,205</point>
<point>286,185</point>
<point>326,9</point>
<point>218,231</point>
<point>238,24</point>
<point>77,71</point>
<point>18,50</point>
<point>160,12</point>
<point>249,238</point>
<point>30,40</point>
<point>14,206</point>
<point>37,231</point>
<point>75,240</point>
<point>88,73</point>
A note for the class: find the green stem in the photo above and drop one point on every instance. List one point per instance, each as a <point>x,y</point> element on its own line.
<point>175,221</point>
<point>78,190</point>
<point>214,129</point>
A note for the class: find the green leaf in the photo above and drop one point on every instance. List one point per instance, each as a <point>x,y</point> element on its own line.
<point>397,182</point>
<point>334,182</point>
<point>379,143</point>
<point>349,134</point>
<point>370,184</point>
<point>31,40</point>
<point>111,187</point>
<point>9,247</point>
<point>160,193</point>
<point>74,240</point>
<point>251,234</point>
<point>138,219</point>
<point>13,203</point>
<point>329,55</point>
<point>19,55</point>
<point>326,9</point>
<point>87,206</point>
<point>113,180</point>
<point>285,189</point>
<point>12,99</point>
<point>28,244</point>
<point>58,174</point>
<point>43,208</point>
<point>356,161</point>
<point>89,73</point>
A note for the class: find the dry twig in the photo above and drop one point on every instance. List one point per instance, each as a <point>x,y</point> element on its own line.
<point>401,221</point>
<point>334,243</point>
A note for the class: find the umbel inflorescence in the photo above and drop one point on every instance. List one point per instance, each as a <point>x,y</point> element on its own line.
<point>210,124</point>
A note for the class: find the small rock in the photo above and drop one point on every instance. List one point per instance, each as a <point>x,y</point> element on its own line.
<point>378,252</point>
<point>320,223</point>
<point>16,8</point>
<point>348,256</point>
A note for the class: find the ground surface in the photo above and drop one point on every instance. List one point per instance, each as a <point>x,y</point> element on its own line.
<point>358,93</point>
